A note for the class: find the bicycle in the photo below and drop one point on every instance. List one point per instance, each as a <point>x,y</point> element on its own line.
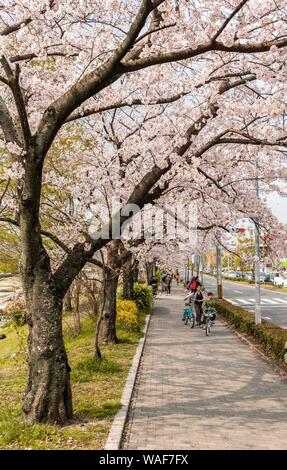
<point>188,316</point>
<point>208,318</point>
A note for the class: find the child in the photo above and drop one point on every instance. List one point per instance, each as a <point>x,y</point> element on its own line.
<point>209,304</point>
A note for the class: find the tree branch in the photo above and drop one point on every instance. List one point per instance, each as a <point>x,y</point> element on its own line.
<point>228,19</point>
<point>7,124</point>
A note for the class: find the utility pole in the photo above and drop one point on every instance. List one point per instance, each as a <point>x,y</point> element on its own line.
<point>219,271</point>
<point>257,264</point>
<point>201,270</point>
<point>197,267</point>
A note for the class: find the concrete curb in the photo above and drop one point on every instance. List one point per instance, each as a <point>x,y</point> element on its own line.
<point>117,429</point>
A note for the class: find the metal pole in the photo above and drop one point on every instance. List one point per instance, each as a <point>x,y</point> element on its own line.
<point>228,264</point>
<point>257,265</point>
<point>219,272</point>
<point>197,266</point>
<point>201,271</point>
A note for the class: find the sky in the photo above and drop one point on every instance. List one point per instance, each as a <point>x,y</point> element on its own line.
<point>278,206</point>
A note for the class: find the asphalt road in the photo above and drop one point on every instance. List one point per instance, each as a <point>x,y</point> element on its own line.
<point>273,303</point>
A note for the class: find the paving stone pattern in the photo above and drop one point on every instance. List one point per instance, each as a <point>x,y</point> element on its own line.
<point>198,392</point>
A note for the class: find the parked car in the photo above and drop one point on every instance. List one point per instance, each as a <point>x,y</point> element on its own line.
<point>266,277</point>
<point>248,276</point>
<point>233,274</point>
<point>263,277</point>
<point>270,278</point>
<point>279,280</point>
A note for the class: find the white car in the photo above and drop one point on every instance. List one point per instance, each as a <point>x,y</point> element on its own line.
<point>280,281</point>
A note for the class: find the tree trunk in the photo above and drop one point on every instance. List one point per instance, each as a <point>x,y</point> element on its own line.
<point>68,301</point>
<point>136,272</point>
<point>76,310</point>
<point>128,280</point>
<point>149,271</point>
<point>107,324</point>
<point>48,397</point>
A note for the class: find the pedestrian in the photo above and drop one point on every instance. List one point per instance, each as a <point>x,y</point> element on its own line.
<point>167,281</point>
<point>153,284</point>
<point>198,303</point>
<point>163,284</point>
<point>194,283</point>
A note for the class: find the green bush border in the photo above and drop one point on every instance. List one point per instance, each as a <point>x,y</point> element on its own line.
<point>270,336</point>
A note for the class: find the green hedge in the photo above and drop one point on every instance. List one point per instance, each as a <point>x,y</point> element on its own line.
<point>270,336</point>
<point>142,295</point>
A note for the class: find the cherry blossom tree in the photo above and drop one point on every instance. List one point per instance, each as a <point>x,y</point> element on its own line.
<point>219,67</point>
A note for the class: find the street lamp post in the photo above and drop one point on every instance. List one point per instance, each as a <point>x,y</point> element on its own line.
<point>219,272</point>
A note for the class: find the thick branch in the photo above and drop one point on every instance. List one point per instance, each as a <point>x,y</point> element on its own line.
<point>7,125</point>
<point>189,53</point>
<point>90,84</point>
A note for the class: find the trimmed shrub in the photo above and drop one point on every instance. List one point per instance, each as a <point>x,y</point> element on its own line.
<point>143,296</point>
<point>127,315</point>
<point>271,337</point>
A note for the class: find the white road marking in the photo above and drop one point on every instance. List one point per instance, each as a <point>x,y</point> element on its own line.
<point>245,301</point>
<point>280,300</point>
<point>251,301</point>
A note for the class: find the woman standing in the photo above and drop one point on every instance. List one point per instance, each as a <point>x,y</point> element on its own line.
<point>198,302</point>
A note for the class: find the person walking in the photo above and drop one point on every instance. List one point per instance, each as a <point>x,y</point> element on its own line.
<point>194,284</point>
<point>198,303</point>
<point>163,283</point>
<point>168,279</point>
<point>153,284</point>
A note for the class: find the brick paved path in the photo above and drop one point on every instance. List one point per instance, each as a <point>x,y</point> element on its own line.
<point>198,392</point>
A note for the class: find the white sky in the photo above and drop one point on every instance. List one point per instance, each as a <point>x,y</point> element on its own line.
<point>278,206</point>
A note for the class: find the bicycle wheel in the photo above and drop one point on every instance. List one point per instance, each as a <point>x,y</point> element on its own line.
<point>192,322</point>
<point>186,320</point>
<point>208,327</point>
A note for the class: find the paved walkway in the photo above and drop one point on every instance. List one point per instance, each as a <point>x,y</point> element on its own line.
<point>198,392</point>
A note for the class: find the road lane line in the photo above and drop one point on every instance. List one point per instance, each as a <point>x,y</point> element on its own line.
<point>280,300</point>
<point>268,301</point>
<point>245,301</point>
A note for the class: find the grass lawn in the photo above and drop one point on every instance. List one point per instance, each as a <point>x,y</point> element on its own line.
<point>97,388</point>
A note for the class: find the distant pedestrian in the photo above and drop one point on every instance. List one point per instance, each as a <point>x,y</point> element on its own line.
<point>168,280</point>
<point>163,284</point>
